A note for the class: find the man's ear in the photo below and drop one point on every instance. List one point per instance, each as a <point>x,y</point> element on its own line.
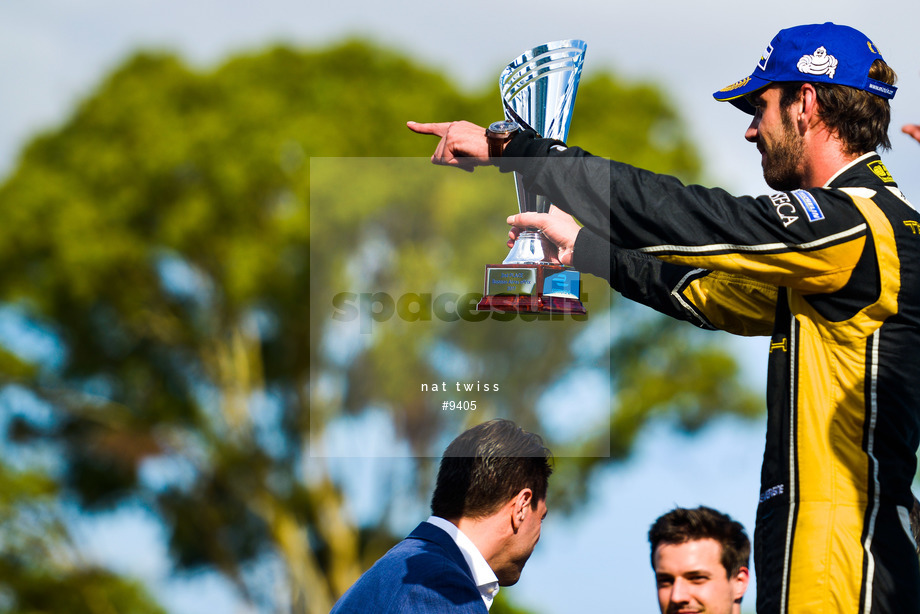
<point>520,507</point>
<point>806,107</point>
<point>740,583</point>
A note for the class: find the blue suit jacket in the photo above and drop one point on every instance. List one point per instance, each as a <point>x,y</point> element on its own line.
<point>426,572</point>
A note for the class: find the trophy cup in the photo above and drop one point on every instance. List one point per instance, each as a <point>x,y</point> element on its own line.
<point>538,92</point>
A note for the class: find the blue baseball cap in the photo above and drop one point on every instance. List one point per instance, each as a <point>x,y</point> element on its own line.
<point>817,53</point>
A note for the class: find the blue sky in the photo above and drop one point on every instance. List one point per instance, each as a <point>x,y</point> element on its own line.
<point>53,52</point>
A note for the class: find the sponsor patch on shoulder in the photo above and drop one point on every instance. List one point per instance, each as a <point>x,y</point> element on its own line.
<point>812,210</point>
<point>881,171</point>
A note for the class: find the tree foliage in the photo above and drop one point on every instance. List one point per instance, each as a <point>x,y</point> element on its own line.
<point>182,239</point>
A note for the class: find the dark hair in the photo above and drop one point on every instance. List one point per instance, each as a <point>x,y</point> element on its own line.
<point>486,466</point>
<point>682,525</point>
<point>858,118</point>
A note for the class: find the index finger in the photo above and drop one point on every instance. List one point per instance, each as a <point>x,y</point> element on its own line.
<point>437,129</point>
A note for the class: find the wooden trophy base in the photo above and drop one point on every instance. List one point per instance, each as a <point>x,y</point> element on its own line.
<point>532,288</point>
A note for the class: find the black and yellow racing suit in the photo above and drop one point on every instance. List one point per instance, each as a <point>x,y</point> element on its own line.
<point>833,275</point>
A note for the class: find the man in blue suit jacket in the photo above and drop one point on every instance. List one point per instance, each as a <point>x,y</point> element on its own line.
<point>487,509</point>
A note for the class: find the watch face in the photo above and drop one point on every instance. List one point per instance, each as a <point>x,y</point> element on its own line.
<point>504,126</point>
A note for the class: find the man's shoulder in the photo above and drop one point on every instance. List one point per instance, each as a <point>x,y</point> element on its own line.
<point>867,172</point>
<point>867,179</point>
<point>419,574</point>
<point>431,551</point>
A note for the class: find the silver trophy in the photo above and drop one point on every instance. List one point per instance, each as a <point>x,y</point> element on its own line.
<point>538,92</point>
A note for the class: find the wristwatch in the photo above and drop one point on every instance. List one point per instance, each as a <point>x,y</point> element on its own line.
<point>499,133</point>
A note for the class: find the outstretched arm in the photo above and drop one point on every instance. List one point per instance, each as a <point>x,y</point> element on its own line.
<point>463,144</point>
<point>708,299</point>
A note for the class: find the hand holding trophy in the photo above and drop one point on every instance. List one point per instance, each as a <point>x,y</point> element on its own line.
<point>538,92</point>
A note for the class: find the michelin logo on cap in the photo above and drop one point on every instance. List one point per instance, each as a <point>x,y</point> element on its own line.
<point>819,63</point>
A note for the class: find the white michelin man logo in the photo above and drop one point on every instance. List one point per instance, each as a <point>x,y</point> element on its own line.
<point>818,64</point>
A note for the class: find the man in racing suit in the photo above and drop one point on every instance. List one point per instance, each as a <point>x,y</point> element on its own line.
<point>818,266</point>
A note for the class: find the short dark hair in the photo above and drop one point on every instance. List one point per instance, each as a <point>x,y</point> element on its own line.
<point>681,525</point>
<point>486,466</point>
<point>859,119</point>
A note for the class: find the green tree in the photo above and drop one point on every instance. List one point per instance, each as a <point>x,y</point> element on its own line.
<point>41,570</point>
<point>183,238</point>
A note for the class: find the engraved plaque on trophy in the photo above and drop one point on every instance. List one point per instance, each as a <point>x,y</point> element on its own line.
<point>538,92</point>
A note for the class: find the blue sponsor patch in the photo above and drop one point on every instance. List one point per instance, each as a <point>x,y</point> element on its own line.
<point>812,210</point>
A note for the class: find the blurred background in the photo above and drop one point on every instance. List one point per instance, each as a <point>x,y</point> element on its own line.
<point>203,408</point>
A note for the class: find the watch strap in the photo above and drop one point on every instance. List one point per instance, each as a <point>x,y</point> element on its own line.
<point>496,145</point>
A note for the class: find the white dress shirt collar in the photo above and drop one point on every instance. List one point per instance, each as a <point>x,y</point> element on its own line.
<point>483,575</point>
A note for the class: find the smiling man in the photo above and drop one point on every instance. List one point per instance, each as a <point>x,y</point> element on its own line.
<point>700,557</point>
<point>826,266</point>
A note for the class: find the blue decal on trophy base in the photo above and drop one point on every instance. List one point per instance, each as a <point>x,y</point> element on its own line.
<point>564,283</point>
